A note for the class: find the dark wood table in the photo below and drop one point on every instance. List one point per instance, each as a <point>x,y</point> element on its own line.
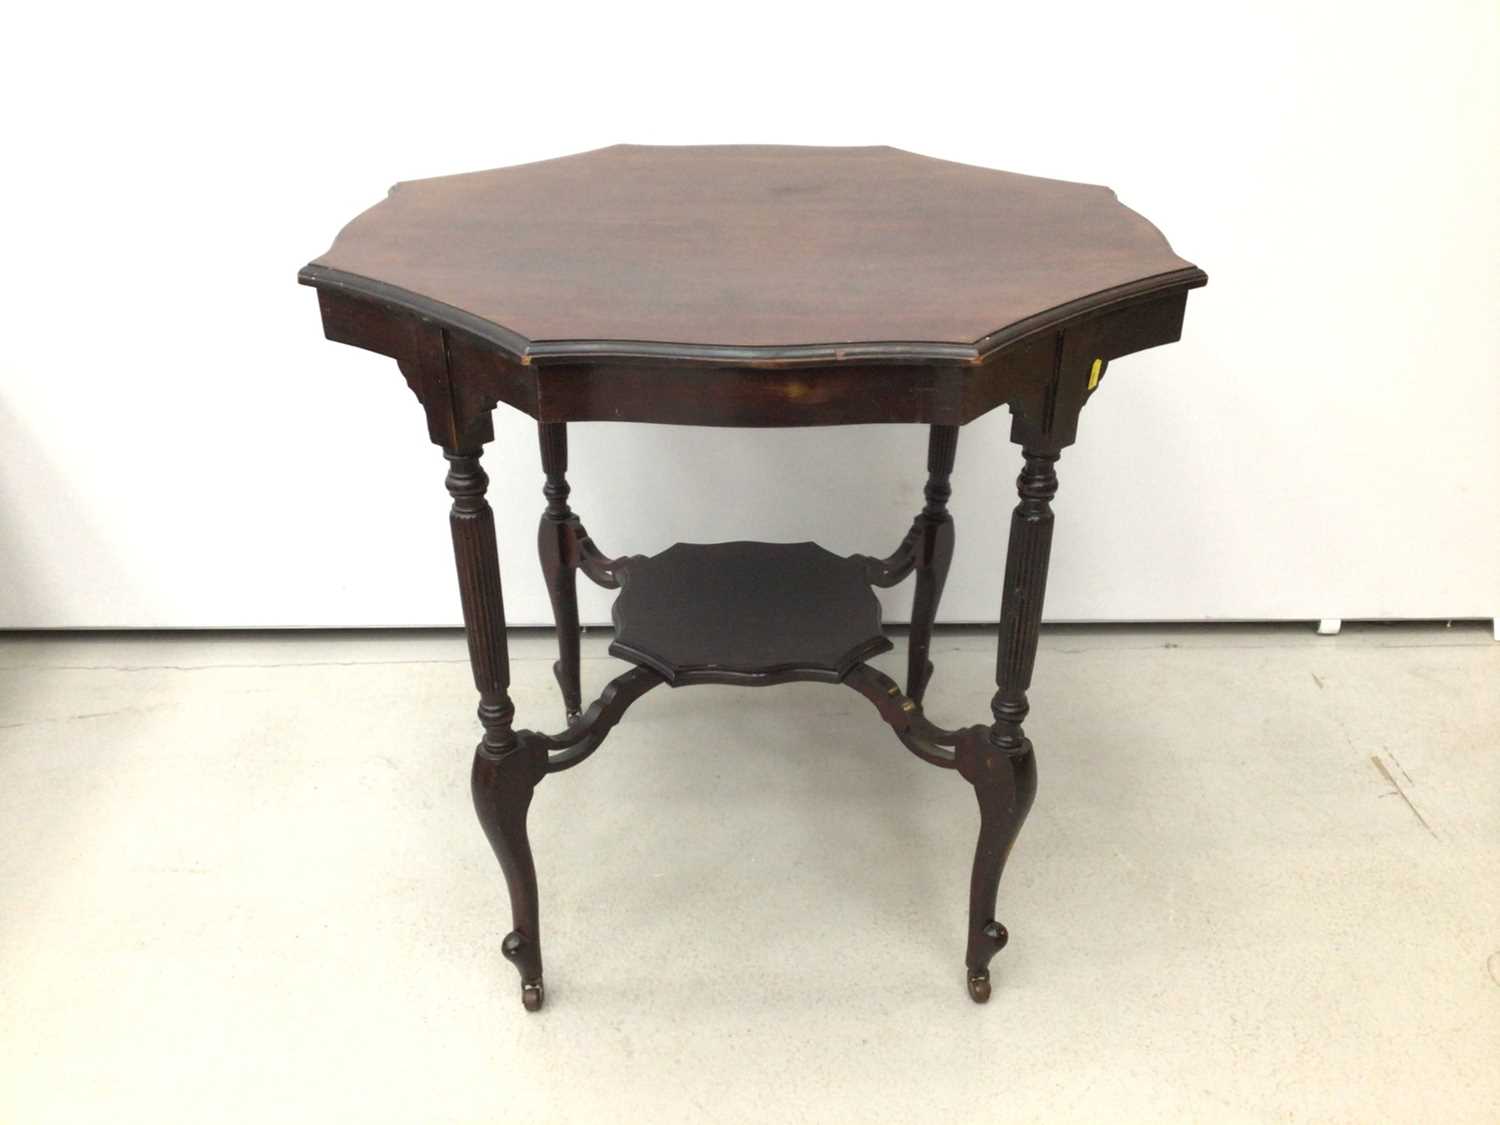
<point>750,286</point>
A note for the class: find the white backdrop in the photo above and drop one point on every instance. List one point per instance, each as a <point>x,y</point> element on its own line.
<point>179,446</point>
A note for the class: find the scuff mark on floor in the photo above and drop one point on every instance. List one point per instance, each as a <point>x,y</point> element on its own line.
<point>1399,766</point>
<point>1316,680</point>
<point>71,718</point>
<point>1396,785</point>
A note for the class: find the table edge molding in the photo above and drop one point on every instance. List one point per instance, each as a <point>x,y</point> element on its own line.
<point>518,348</point>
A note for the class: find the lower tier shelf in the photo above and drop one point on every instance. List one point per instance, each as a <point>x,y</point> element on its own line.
<point>746,613</point>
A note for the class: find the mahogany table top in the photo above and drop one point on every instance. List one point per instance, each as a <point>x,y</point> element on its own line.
<point>750,253</point>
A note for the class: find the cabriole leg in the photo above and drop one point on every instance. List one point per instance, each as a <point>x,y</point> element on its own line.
<point>556,545</point>
<point>1001,766</point>
<point>934,530</point>
<point>506,769</point>
<point>503,785</point>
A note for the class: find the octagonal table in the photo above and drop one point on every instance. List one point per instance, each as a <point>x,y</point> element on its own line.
<point>751,286</point>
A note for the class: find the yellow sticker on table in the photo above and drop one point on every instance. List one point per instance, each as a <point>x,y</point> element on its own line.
<point>1095,372</point>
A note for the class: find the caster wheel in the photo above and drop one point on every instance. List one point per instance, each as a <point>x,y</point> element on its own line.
<point>979,987</point>
<point>532,996</point>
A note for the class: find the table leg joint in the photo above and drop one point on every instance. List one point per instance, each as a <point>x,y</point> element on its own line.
<point>904,715</point>
<point>588,731</point>
<point>896,567</point>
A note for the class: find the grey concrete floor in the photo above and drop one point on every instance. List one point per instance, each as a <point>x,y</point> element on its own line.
<point>241,881</point>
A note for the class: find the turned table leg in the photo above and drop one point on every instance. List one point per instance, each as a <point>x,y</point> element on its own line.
<point>556,545</point>
<point>506,769</point>
<point>1001,766</point>
<point>934,530</point>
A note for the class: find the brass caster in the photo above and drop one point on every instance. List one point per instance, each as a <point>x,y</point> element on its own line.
<point>979,986</point>
<point>532,996</point>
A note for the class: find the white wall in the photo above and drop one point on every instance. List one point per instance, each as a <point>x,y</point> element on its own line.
<point>179,446</point>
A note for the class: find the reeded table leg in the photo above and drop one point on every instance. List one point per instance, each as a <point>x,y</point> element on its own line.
<point>506,769</point>
<point>934,531</point>
<point>556,546</point>
<point>1002,767</point>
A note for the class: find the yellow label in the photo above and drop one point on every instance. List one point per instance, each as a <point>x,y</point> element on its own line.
<point>1095,372</point>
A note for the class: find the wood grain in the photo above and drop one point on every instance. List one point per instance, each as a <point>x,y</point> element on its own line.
<point>744,253</point>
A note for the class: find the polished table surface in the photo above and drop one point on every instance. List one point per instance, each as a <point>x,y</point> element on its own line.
<point>751,286</point>
<point>751,252</point>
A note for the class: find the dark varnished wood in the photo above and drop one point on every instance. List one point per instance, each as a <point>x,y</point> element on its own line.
<point>917,732</point>
<point>1004,781</point>
<point>745,253</point>
<point>1002,767</point>
<point>746,613</point>
<point>1026,559</point>
<point>775,392</point>
<point>1003,775</point>
<point>588,729</point>
<point>556,548</point>
<point>927,551</point>
<point>502,784</point>
<point>933,536</point>
<point>1004,785</point>
<point>751,286</point>
<point>478,564</point>
<point>505,770</point>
